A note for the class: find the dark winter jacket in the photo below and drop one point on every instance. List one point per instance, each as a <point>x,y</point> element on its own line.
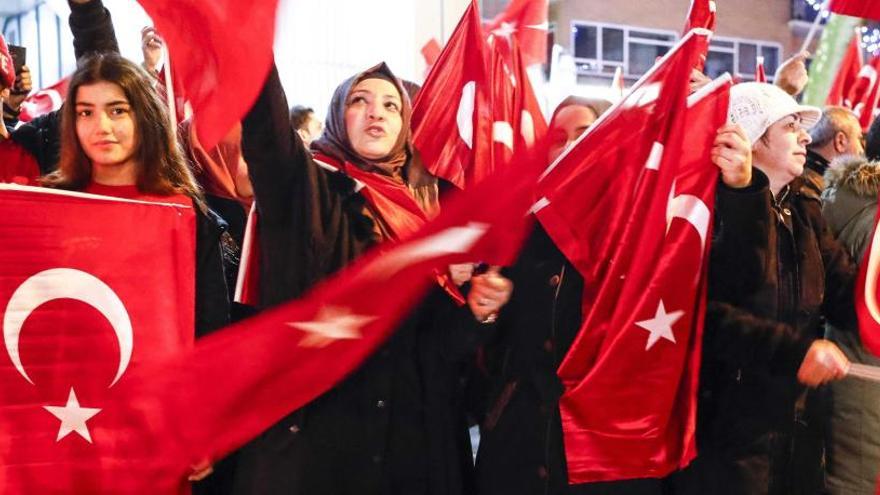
<point>853,450</point>
<point>393,425</point>
<point>92,30</point>
<point>521,445</point>
<point>775,272</point>
<point>814,172</point>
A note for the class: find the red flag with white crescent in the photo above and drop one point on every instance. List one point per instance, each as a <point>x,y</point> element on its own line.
<point>299,350</point>
<point>866,91</point>
<point>866,9</point>
<point>82,309</point>
<point>527,22</point>
<point>44,101</point>
<point>630,377</point>
<point>452,117</point>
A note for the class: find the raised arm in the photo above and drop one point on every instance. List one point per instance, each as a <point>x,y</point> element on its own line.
<point>278,163</point>
<point>92,28</point>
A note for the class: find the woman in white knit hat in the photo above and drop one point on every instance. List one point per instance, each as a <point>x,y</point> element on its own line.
<point>775,272</point>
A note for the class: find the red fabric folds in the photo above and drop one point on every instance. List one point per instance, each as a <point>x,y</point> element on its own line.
<point>630,377</point>
<point>867,9</point>
<point>221,54</point>
<point>452,116</point>
<point>85,304</point>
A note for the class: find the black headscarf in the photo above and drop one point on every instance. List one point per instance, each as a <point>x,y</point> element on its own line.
<point>334,141</point>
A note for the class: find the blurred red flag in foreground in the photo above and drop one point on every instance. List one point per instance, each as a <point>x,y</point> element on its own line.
<point>222,53</point>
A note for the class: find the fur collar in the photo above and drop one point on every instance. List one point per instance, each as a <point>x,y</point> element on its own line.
<point>855,174</point>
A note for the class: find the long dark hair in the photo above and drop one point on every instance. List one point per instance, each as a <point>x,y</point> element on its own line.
<point>162,169</point>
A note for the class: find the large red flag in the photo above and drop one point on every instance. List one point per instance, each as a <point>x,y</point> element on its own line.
<point>452,118</point>
<point>643,310</point>
<point>525,21</point>
<point>222,52</point>
<point>237,382</point>
<point>563,213</point>
<point>44,101</point>
<point>867,9</point>
<point>84,303</point>
<point>847,75</point>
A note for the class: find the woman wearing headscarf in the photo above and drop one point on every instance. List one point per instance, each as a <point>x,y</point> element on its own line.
<point>393,425</point>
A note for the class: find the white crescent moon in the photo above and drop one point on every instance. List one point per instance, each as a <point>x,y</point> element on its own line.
<point>66,283</point>
<point>692,210</point>
<point>871,277</point>
<point>464,117</point>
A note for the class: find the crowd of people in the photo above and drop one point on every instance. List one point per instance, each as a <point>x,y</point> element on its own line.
<point>795,210</point>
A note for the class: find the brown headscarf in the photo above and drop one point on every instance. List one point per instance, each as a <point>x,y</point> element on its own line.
<point>334,141</point>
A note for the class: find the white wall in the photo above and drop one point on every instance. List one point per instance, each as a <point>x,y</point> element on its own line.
<point>317,45</point>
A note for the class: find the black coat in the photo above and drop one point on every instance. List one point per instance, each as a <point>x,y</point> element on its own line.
<point>775,272</point>
<point>392,426</point>
<point>92,30</point>
<point>521,447</point>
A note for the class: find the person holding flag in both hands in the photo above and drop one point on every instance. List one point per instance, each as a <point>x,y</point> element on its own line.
<point>392,425</point>
<point>775,271</point>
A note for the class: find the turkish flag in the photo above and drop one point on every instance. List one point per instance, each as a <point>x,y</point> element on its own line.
<point>531,126</point>
<point>865,92</point>
<point>562,211</point>
<point>84,303</point>
<point>237,382</point>
<point>525,21</point>
<point>44,101</point>
<point>867,9</point>
<point>628,410</point>
<point>222,53</point>
<point>452,117</point>
<point>504,110</point>
<point>847,75</point>
<point>760,75</point>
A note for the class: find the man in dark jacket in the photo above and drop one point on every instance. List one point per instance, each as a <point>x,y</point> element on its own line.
<point>775,271</point>
<point>837,133</point>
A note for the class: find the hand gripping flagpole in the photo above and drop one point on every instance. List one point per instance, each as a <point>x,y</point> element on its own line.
<point>864,371</point>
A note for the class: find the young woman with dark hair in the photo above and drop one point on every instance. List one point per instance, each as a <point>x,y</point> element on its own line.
<point>116,140</point>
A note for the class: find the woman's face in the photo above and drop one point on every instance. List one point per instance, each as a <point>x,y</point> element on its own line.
<point>568,125</point>
<point>373,118</point>
<point>105,127</point>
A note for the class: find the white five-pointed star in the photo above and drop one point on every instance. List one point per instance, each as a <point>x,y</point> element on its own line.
<point>505,30</point>
<point>661,325</point>
<point>73,417</point>
<point>330,324</point>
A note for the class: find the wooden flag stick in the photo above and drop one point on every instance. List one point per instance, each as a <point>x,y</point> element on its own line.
<point>169,89</point>
<point>815,27</point>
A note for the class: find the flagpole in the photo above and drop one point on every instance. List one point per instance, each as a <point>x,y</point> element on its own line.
<point>815,27</point>
<point>169,90</point>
